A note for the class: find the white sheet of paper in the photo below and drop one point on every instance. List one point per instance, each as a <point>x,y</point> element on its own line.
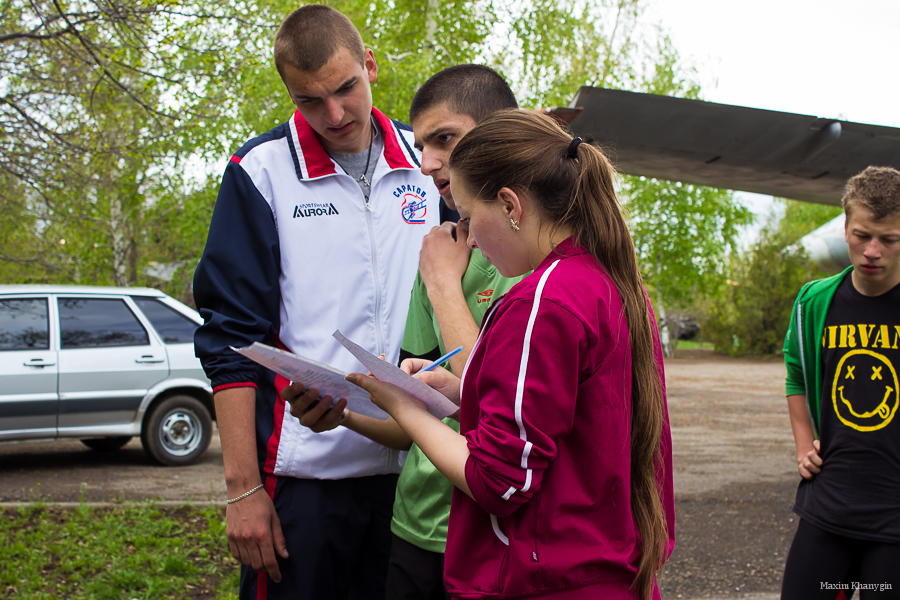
<point>328,380</point>
<point>437,404</point>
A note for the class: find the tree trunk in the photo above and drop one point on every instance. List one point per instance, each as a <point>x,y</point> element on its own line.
<point>431,16</point>
<point>661,313</point>
<point>119,245</point>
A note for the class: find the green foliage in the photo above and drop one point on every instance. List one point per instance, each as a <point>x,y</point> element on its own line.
<point>104,103</point>
<point>111,122</point>
<point>131,551</point>
<point>548,49</point>
<point>749,314</point>
<point>801,218</point>
<point>413,39</point>
<point>174,234</point>
<point>682,234</point>
<point>17,224</point>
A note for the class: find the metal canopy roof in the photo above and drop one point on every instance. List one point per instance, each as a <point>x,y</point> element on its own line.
<point>734,147</point>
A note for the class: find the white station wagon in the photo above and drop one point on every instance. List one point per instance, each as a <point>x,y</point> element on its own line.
<point>103,364</point>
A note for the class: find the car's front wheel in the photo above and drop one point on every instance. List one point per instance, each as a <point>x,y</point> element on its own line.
<point>177,431</point>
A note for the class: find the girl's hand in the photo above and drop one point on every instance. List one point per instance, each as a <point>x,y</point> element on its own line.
<point>439,379</point>
<point>386,396</point>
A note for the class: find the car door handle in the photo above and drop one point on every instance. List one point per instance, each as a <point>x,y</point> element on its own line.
<point>148,359</point>
<point>38,362</point>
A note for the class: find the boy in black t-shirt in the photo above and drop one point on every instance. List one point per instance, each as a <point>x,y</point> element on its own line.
<point>842,354</point>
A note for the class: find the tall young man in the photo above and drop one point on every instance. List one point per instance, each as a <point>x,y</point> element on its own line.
<point>317,227</point>
<point>453,291</point>
<point>842,354</point>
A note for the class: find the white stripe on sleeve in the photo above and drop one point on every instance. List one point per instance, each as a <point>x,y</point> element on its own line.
<point>523,368</point>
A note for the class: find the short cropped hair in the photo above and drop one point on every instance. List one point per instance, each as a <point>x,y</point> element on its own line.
<point>876,189</point>
<point>309,37</point>
<point>473,90</point>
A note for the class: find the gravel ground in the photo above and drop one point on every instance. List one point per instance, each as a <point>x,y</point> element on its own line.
<point>735,477</point>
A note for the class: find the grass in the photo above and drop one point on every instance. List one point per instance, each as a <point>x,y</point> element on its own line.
<point>692,345</point>
<point>129,551</point>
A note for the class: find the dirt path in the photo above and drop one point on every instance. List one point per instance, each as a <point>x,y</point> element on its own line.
<point>735,477</point>
<point>729,421</point>
<point>57,472</point>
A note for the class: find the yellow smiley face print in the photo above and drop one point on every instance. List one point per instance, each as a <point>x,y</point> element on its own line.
<point>865,392</point>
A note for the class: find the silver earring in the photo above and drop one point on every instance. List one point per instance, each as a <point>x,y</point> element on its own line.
<point>513,224</point>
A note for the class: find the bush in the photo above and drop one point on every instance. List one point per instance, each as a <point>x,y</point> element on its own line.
<point>750,314</point>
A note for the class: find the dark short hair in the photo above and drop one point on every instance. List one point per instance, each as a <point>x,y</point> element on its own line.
<point>876,189</point>
<point>474,90</point>
<point>309,37</point>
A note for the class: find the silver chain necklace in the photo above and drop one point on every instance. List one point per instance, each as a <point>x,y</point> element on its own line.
<point>362,178</point>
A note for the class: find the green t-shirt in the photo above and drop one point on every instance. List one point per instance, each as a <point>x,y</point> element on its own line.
<point>422,503</point>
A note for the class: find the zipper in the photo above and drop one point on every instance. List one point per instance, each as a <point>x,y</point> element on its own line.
<point>800,342</point>
<point>393,456</point>
<point>379,326</point>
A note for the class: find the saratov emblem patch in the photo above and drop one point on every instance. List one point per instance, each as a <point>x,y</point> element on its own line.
<point>413,206</point>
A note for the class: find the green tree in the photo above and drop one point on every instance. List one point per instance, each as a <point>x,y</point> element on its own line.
<point>801,218</point>
<point>18,222</point>
<point>117,117</point>
<point>751,316</point>
<point>683,232</point>
<point>748,314</point>
<point>100,104</point>
<point>550,48</point>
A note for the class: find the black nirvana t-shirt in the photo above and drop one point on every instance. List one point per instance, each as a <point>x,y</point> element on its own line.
<point>857,494</point>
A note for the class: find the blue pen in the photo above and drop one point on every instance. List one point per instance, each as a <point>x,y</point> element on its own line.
<point>442,359</point>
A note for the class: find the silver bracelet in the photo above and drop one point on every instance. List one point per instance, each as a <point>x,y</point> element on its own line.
<point>245,494</point>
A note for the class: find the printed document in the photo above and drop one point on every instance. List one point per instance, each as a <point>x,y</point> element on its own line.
<point>437,404</point>
<point>328,380</point>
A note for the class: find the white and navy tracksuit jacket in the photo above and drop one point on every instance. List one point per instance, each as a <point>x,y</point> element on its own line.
<point>293,254</point>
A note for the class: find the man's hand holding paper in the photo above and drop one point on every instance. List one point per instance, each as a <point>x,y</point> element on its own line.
<point>313,381</point>
<point>318,413</point>
<point>310,374</point>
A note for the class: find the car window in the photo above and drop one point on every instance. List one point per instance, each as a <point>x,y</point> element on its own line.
<point>24,324</point>
<point>97,322</point>
<point>172,326</point>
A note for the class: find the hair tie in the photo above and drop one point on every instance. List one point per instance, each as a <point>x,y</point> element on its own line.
<point>573,148</point>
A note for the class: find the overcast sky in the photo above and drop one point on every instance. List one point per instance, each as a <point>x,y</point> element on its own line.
<point>824,58</point>
<point>827,58</point>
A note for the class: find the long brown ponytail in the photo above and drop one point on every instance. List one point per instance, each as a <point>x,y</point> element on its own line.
<point>572,184</point>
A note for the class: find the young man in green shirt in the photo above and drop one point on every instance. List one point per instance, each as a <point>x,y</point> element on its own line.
<point>452,293</point>
<point>453,290</point>
<point>842,354</point>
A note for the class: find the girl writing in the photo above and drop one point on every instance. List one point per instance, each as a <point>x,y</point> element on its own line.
<point>562,466</point>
